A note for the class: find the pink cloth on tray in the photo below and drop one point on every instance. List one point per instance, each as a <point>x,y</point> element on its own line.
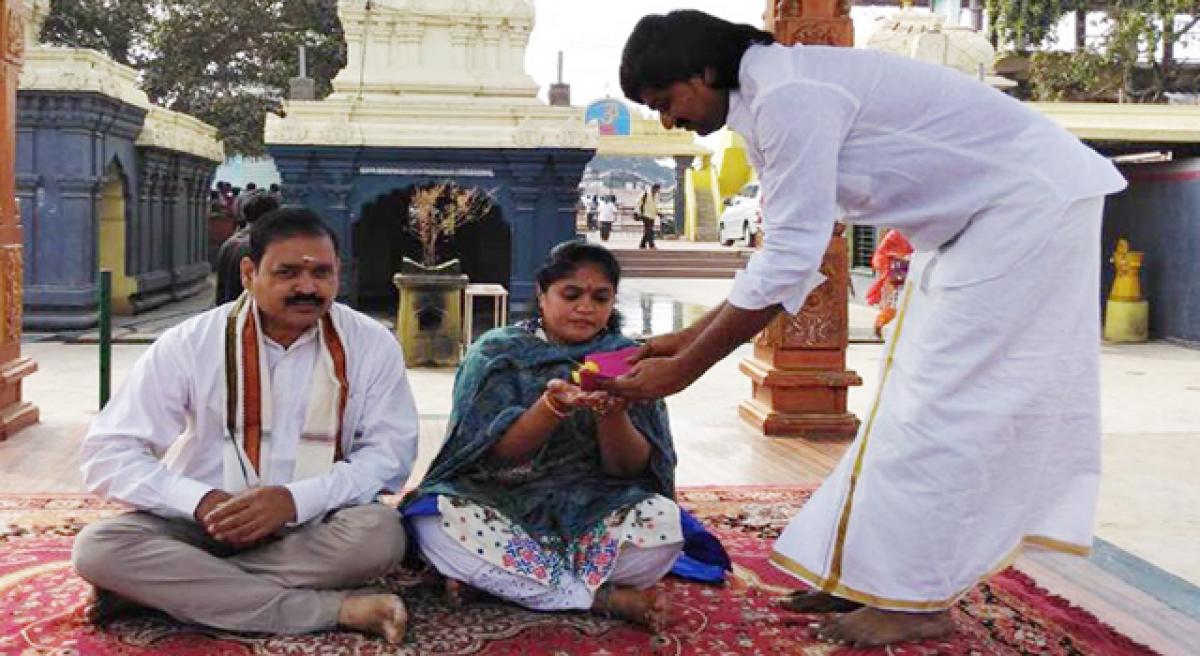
<point>612,365</point>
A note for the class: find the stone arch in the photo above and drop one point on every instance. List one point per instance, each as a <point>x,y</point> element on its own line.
<point>112,234</point>
<point>379,242</point>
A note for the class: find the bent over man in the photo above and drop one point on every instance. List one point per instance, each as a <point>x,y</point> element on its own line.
<point>984,436</point>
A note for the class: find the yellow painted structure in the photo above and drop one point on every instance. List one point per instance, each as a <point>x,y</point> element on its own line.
<point>112,243</point>
<point>648,138</point>
<point>1127,315</point>
<point>689,205</point>
<point>701,186</point>
<point>734,169</point>
<point>1133,122</point>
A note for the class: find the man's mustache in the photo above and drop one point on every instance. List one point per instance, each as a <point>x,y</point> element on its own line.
<point>304,299</point>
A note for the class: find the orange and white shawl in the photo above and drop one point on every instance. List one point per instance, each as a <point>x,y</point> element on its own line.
<point>248,402</point>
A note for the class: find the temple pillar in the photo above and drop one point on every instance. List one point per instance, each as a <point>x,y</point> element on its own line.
<point>798,374</point>
<point>682,162</point>
<point>15,414</point>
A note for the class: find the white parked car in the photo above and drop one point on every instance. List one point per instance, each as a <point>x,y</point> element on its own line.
<point>742,218</point>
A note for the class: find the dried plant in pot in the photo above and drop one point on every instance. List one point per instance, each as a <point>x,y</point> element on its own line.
<point>436,212</point>
<point>429,314</point>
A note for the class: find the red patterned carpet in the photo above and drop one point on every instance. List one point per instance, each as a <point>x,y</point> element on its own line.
<point>41,601</point>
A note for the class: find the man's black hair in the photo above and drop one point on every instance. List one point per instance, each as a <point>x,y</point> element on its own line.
<point>258,205</point>
<point>285,223</point>
<point>250,186</point>
<point>675,47</point>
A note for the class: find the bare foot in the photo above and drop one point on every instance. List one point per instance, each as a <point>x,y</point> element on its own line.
<point>814,601</point>
<point>459,594</point>
<point>644,607</point>
<point>103,606</point>
<point>383,615</point>
<point>873,627</point>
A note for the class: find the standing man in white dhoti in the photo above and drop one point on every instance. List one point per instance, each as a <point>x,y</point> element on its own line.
<point>984,435</point>
<point>252,440</point>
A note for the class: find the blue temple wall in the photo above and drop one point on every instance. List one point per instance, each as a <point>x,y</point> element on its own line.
<point>169,243</point>
<point>1158,214</point>
<point>535,190</point>
<point>67,142</point>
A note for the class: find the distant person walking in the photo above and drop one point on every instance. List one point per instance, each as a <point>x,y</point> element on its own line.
<point>647,211</point>
<point>608,214</point>
<point>593,208</point>
<point>229,258</point>
<point>239,203</point>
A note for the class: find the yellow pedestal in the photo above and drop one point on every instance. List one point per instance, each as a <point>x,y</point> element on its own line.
<point>429,318</point>
<point>1127,321</point>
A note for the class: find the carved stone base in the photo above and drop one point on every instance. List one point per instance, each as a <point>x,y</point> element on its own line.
<point>17,418</point>
<point>816,427</point>
<point>15,414</point>
<point>798,403</point>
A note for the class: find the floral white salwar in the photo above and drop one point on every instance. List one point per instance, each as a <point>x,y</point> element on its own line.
<point>590,558</point>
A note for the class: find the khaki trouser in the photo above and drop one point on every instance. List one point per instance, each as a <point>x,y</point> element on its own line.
<point>293,584</point>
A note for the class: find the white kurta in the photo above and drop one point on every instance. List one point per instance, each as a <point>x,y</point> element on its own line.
<point>176,392</point>
<point>984,434</point>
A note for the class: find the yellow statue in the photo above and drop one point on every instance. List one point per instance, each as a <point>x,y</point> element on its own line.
<point>1126,286</point>
<point>1127,316</point>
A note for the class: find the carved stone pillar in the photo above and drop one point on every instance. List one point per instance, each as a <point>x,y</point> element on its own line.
<point>15,414</point>
<point>798,372</point>
<point>811,22</point>
<point>682,163</point>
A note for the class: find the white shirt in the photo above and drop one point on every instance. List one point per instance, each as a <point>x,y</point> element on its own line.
<point>176,392</point>
<point>608,212</point>
<point>883,140</point>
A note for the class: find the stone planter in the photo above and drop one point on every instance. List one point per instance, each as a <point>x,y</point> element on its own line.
<point>429,316</point>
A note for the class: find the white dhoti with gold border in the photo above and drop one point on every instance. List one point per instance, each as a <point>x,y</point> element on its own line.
<point>984,434</point>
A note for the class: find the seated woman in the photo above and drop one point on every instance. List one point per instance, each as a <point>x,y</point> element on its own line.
<point>546,495</point>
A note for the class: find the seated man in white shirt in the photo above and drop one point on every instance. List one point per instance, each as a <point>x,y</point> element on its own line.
<point>252,440</point>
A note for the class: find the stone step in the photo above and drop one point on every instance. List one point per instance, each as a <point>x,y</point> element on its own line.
<point>681,263</point>
<point>674,272</point>
<point>706,219</point>
<point>700,261</point>
<point>665,251</point>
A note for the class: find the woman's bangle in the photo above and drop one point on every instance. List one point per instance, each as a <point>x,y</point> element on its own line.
<point>608,408</point>
<point>555,410</point>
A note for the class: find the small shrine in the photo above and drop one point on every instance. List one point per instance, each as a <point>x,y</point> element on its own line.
<point>106,180</point>
<point>435,92</point>
<point>930,37</point>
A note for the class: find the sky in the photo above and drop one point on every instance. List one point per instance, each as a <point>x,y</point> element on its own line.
<point>591,35</point>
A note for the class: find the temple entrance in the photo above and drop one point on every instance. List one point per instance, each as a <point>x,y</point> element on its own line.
<point>381,241</point>
<point>111,241</point>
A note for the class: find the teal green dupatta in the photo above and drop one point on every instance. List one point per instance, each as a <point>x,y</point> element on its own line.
<point>562,491</point>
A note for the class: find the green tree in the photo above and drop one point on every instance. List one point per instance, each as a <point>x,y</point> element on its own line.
<point>227,62</point>
<point>1027,24</point>
<point>1131,59</point>
<point>114,27</point>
